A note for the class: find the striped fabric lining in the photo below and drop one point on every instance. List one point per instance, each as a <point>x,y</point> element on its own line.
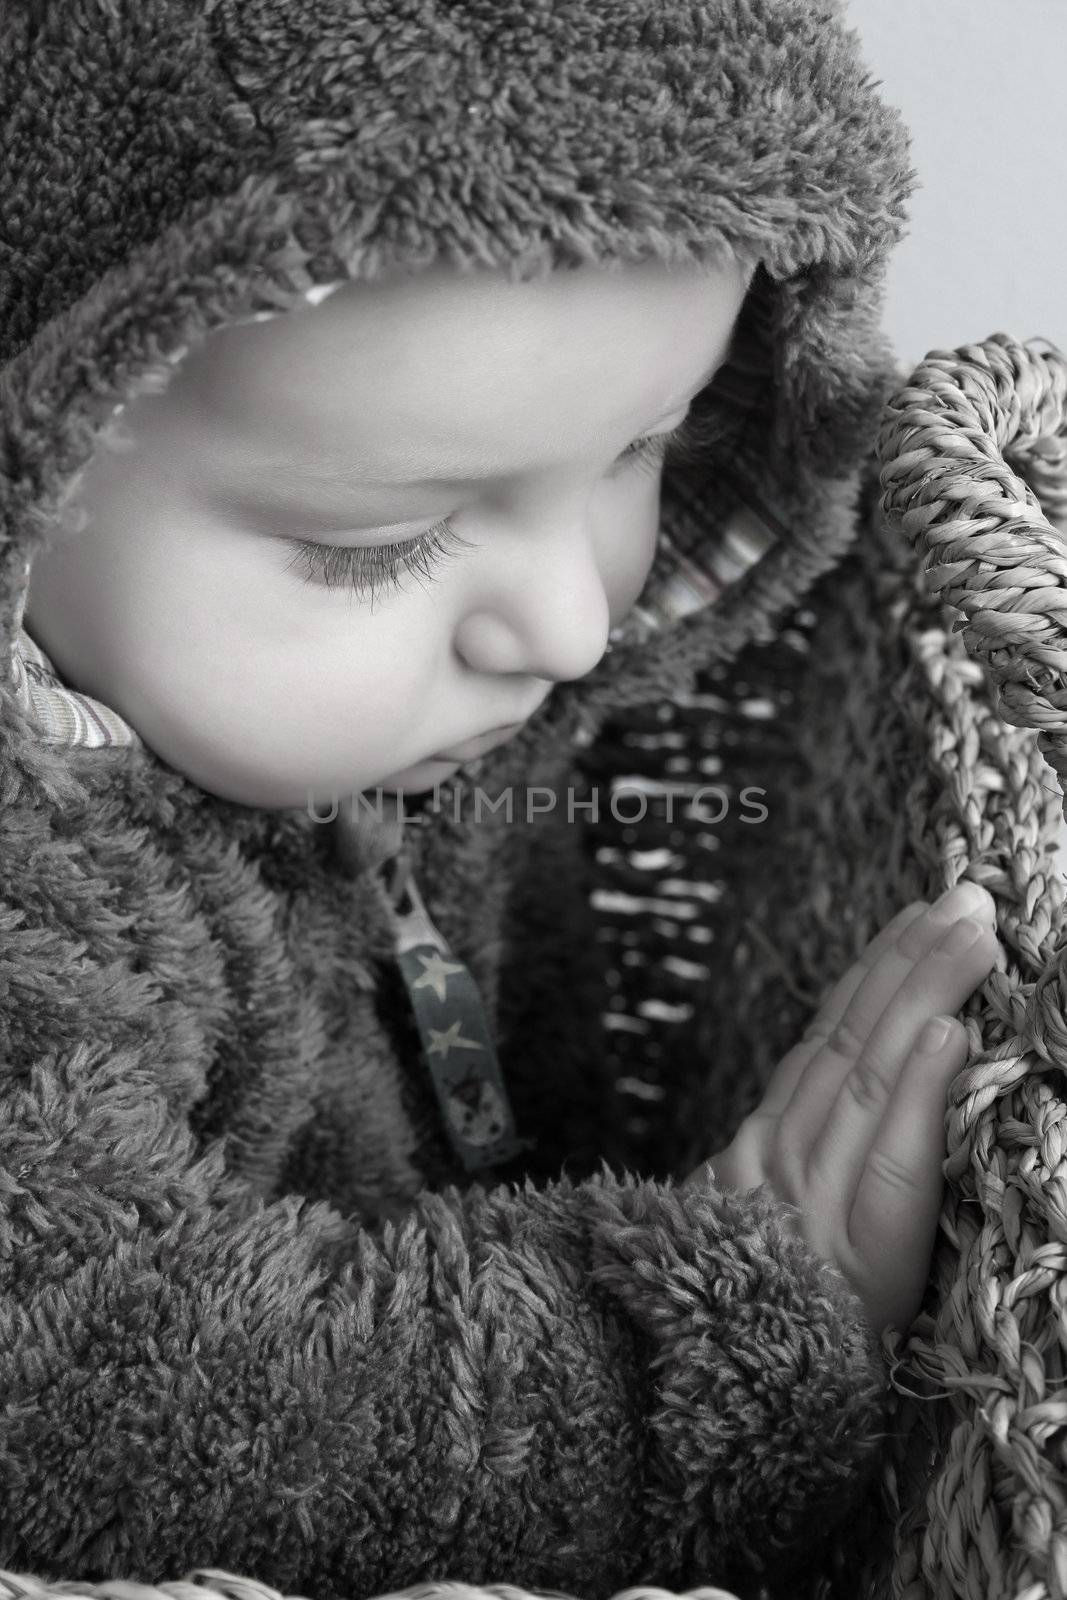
<point>63,715</point>
<point>680,584</point>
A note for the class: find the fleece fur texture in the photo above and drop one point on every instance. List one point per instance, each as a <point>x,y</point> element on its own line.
<point>251,1315</point>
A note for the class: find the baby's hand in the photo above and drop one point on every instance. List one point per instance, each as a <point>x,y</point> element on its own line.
<point>851,1128</point>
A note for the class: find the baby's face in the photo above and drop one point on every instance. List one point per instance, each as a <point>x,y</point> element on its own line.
<point>270,673</point>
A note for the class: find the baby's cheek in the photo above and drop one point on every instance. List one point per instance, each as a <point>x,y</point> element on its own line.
<point>627,559</point>
<point>260,719</point>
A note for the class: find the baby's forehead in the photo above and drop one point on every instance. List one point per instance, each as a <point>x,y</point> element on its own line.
<point>412,326</point>
<point>440,375</point>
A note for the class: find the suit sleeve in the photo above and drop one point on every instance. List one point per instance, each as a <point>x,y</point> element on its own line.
<point>568,1385</point>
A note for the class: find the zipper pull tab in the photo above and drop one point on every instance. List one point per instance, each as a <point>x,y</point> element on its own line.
<point>414,924</point>
<point>457,1046</point>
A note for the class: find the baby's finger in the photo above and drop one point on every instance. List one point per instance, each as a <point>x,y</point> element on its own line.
<point>894,1214</point>
<point>942,982</point>
<point>844,1037</point>
<point>792,1066</point>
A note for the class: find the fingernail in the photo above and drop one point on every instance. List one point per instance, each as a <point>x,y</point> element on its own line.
<point>963,935</point>
<point>934,1034</point>
<point>966,899</point>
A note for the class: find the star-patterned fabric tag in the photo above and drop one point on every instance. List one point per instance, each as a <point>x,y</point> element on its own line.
<point>454,1033</point>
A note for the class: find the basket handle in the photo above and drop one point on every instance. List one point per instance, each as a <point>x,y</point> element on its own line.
<point>973,459</point>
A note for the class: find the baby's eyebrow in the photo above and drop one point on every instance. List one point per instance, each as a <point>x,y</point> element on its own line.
<point>335,467</point>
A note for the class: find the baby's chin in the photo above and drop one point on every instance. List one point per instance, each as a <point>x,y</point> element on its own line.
<point>421,778</point>
<point>261,793</point>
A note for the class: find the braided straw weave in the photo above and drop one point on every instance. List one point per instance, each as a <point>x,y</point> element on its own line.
<point>893,754</point>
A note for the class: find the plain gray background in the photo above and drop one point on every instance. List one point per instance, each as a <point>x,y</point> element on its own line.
<point>980,84</point>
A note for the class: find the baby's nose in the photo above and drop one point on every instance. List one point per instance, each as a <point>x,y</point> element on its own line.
<point>558,633</point>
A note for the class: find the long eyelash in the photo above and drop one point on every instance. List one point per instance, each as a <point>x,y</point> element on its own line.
<point>366,569</point>
<point>686,442</point>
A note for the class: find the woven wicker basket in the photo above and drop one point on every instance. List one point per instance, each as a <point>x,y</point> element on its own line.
<point>894,754</point>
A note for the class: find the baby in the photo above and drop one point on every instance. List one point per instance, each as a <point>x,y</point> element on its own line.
<point>360,366</point>
<point>247,594</point>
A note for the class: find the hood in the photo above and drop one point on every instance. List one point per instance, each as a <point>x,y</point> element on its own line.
<point>174,166</point>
